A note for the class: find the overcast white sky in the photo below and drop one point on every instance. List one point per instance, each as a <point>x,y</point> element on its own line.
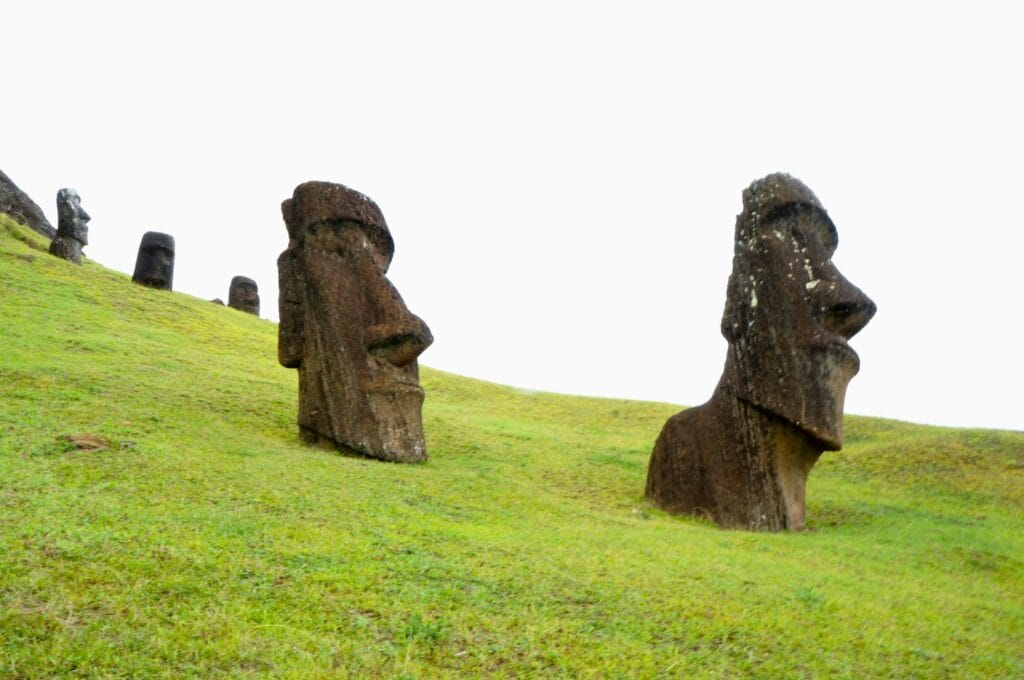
<point>561,179</point>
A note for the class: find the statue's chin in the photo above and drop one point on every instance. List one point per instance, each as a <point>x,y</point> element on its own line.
<point>814,393</point>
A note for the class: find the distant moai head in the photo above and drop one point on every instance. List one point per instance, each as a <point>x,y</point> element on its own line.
<point>244,295</point>
<point>72,227</point>
<point>154,267</point>
<point>346,328</point>
<point>789,312</point>
<point>72,220</point>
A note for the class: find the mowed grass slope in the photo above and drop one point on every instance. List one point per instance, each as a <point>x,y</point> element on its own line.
<point>207,541</point>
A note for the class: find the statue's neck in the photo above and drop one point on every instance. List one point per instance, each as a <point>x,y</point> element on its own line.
<point>777,455</point>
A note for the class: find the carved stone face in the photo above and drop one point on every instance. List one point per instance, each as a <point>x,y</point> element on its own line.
<point>154,267</point>
<point>72,219</point>
<point>789,312</point>
<point>346,328</point>
<point>243,295</point>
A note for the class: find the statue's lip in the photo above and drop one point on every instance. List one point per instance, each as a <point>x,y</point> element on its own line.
<point>844,348</point>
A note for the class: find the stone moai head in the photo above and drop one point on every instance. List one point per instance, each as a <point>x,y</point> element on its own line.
<point>244,295</point>
<point>743,457</point>
<point>72,227</point>
<point>789,312</point>
<point>154,267</point>
<point>346,328</point>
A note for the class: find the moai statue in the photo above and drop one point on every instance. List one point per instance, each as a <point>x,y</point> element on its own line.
<point>743,458</point>
<point>72,227</point>
<point>244,295</point>
<point>154,267</point>
<point>346,329</point>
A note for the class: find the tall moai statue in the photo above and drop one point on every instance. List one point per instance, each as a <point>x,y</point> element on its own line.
<point>154,266</point>
<point>743,458</point>
<point>346,328</point>
<point>72,227</point>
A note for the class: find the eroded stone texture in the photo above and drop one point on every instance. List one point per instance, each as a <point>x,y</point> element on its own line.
<point>244,295</point>
<point>346,328</point>
<point>154,266</point>
<point>743,458</point>
<point>17,204</point>
<point>72,227</point>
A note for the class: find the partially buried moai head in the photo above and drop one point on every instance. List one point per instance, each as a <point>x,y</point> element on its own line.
<point>154,267</point>
<point>743,458</point>
<point>789,312</point>
<point>72,227</point>
<point>244,295</point>
<point>346,328</point>
<point>72,220</point>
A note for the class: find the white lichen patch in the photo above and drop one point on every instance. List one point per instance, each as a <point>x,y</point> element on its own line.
<point>811,285</point>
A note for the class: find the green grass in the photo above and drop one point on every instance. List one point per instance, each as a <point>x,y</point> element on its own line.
<point>207,541</point>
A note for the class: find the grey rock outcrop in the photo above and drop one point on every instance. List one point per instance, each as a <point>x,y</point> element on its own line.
<point>18,205</point>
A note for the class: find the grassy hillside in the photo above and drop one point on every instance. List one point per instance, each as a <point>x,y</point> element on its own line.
<point>207,541</point>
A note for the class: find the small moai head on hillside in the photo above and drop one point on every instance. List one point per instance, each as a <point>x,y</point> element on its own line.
<point>789,311</point>
<point>346,328</point>
<point>244,295</point>
<point>72,227</point>
<point>154,266</point>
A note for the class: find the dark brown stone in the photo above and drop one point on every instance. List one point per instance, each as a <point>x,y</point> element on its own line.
<point>346,328</point>
<point>154,267</point>
<point>742,459</point>
<point>244,295</point>
<point>72,227</point>
<point>17,204</point>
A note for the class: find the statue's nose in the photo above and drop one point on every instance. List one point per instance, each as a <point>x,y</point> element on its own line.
<point>848,311</point>
<point>399,343</point>
<point>398,336</point>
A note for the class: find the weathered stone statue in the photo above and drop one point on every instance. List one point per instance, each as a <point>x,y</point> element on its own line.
<point>346,329</point>
<point>154,267</point>
<point>72,227</point>
<point>743,457</point>
<point>244,295</point>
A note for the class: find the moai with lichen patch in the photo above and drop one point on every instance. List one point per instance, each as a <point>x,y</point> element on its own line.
<point>346,329</point>
<point>742,459</point>
<point>154,266</point>
<point>72,227</point>
<point>244,295</point>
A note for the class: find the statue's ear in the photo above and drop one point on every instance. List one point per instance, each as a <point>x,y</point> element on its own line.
<point>736,316</point>
<point>290,330</point>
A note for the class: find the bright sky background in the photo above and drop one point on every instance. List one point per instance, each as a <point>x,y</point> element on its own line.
<point>561,179</point>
